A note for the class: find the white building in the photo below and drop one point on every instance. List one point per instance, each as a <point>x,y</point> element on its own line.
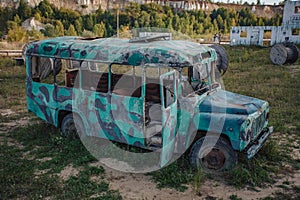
<point>260,35</point>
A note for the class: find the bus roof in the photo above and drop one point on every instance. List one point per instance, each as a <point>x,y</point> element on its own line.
<point>174,53</point>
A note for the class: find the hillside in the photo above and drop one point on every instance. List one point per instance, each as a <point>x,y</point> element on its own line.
<point>88,6</point>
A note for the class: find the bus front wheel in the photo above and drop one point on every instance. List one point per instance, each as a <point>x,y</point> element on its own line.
<point>212,154</point>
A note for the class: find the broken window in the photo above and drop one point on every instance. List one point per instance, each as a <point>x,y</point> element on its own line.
<point>122,69</point>
<point>296,31</point>
<point>41,69</point>
<point>94,76</point>
<point>95,66</point>
<point>124,81</point>
<point>267,38</point>
<point>69,71</point>
<point>243,34</point>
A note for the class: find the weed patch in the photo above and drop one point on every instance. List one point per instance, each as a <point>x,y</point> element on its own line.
<point>176,175</point>
<point>18,173</point>
<point>259,170</point>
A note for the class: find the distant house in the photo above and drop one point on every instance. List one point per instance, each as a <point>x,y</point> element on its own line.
<point>32,24</point>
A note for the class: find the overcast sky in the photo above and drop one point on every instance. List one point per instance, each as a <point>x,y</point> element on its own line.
<point>270,2</point>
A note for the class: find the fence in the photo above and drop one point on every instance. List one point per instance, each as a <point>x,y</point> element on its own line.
<point>10,53</point>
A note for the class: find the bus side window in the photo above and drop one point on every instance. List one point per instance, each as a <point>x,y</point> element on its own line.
<point>94,76</point>
<point>66,72</point>
<point>124,80</point>
<point>41,69</point>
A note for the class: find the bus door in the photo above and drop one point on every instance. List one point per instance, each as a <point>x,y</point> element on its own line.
<point>127,105</point>
<point>168,92</point>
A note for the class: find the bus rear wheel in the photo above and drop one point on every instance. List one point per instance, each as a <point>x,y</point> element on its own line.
<point>212,154</point>
<point>72,126</point>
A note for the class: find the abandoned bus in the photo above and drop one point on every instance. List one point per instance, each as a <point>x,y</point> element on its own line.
<point>148,92</point>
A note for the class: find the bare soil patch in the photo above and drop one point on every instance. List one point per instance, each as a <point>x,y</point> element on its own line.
<point>68,171</point>
<point>140,186</point>
<point>40,172</point>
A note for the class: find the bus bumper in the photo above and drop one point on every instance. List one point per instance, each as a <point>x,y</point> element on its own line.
<point>258,143</point>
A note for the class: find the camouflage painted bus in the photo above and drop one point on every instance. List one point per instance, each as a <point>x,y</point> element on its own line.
<point>149,92</point>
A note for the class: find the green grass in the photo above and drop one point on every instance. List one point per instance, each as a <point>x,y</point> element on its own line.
<point>17,174</point>
<point>177,175</point>
<point>250,73</point>
<point>257,171</point>
<point>12,84</point>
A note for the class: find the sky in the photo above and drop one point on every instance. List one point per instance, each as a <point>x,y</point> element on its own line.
<point>266,2</point>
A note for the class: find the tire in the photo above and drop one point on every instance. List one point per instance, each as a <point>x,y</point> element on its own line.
<point>68,127</point>
<point>219,155</point>
<point>222,63</point>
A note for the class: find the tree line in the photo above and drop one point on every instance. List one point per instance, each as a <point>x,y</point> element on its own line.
<point>103,23</point>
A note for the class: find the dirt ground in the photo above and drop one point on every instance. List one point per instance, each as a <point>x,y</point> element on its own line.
<point>140,186</point>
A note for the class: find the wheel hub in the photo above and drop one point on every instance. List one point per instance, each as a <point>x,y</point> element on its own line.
<point>215,159</point>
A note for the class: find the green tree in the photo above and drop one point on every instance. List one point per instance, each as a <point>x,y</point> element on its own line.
<point>71,31</point>
<point>232,22</point>
<point>49,31</point>
<point>24,10</point>
<point>110,31</point>
<point>36,35</point>
<point>133,10</point>
<point>17,34</point>
<point>99,29</point>
<point>89,22</point>
<point>78,26</point>
<point>260,22</point>
<point>157,20</point>
<point>144,19</point>
<point>67,16</point>
<point>207,23</point>
<point>199,28</point>
<point>136,24</point>
<point>176,23</point>
<point>6,14</point>
<point>215,26</point>
<point>37,16</point>
<point>11,25</point>
<point>99,11</point>
<point>226,28</point>
<point>220,22</point>
<point>17,19</point>
<point>59,28</point>
<point>277,20</point>
<point>45,8</point>
<point>88,34</point>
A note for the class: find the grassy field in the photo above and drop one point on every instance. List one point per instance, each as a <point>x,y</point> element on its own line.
<point>34,155</point>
